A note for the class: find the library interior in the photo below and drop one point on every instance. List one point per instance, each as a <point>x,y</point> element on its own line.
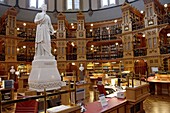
<point>84,56</point>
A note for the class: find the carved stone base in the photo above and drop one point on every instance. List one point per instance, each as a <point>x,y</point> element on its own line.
<point>44,74</point>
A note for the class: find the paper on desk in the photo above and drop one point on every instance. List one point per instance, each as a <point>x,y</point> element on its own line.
<point>111,95</point>
<point>57,108</point>
<point>103,100</point>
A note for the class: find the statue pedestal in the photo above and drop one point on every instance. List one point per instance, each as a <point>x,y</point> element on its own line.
<point>44,74</point>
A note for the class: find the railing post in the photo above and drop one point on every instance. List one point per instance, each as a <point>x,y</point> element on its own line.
<point>128,80</point>
<point>45,103</point>
<point>0,102</point>
<point>69,90</point>
<point>132,80</point>
<point>146,76</point>
<point>140,77</point>
<point>75,91</point>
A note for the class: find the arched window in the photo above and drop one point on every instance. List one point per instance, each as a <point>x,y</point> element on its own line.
<point>36,3</point>
<point>69,4</point>
<point>112,2</point>
<point>73,4</point>
<point>105,3</point>
<point>2,1</point>
<point>32,3</point>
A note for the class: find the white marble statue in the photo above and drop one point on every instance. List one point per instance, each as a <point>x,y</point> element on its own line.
<point>44,72</point>
<point>12,70</point>
<point>43,32</point>
<point>81,68</point>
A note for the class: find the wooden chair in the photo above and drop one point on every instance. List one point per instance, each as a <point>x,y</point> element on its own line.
<point>30,106</point>
<point>100,87</point>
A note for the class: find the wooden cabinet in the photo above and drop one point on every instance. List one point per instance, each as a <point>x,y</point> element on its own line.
<point>22,84</point>
<point>86,88</point>
<point>135,97</point>
<point>7,94</point>
<point>85,93</point>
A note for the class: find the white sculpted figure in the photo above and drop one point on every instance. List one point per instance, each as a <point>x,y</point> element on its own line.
<point>43,32</point>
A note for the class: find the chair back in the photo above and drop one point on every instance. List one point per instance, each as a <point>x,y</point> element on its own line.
<point>100,87</point>
<point>30,106</point>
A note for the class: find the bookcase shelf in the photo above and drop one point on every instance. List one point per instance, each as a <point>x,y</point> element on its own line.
<point>108,52</point>
<point>102,68</point>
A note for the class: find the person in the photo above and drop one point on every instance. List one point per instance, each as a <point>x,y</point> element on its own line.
<point>43,32</point>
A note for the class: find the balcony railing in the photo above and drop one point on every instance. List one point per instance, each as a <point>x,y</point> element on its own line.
<point>165,49</point>
<point>140,52</point>
<point>164,19</point>
<point>107,56</point>
<point>138,25</point>
<point>104,37</point>
<point>2,57</point>
<point>72,56</point>
<point>25,58</point>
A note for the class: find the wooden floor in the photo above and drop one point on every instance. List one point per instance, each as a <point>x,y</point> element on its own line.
<point>153,104</point>
<point>157,104</point>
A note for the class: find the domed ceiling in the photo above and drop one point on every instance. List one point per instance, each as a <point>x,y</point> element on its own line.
<point>94,10</point>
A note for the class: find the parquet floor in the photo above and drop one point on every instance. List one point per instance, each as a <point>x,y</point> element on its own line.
<point>157,104</point>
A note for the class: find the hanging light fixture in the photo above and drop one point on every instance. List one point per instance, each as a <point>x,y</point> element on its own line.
<point>115,21</point>
<point>24,24</point>
<point>165,5</point>
<point>168,34</point>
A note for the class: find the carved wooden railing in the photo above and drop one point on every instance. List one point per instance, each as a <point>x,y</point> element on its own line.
<point>44,95</point>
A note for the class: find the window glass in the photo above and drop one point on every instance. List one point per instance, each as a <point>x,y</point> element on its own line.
<point>69,4</point>
<point>77,4</point>
<point>33,3</point>
<point>104,2</point>
<point>40,2</point>
<point>112,1</point>
<point>73,4</point>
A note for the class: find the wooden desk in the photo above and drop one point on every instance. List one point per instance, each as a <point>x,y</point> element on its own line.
<point>107,88</point>
<point>133,102</point>
<point>22,84</point>
<point>114,106</point>
<point>7,93</point>
<point>82,91</point>
<point>159,87</point>
<point>135,97</point>
<point>86,87</point>
<point>93,80</point>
